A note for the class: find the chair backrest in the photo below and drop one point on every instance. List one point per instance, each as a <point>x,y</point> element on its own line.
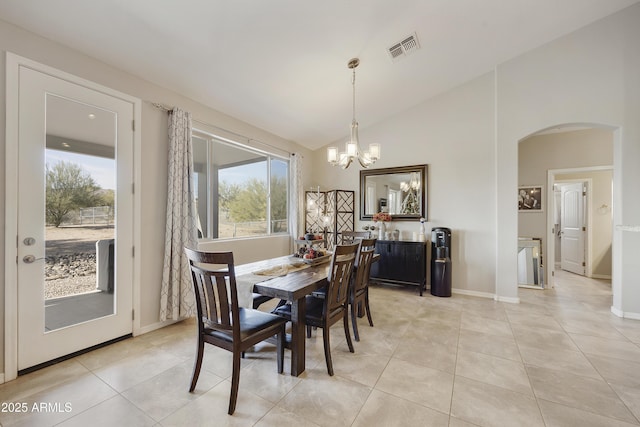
<point>366,251</point>
<point>350,237</point>
<point>340,269</point>
<point>217,305</point>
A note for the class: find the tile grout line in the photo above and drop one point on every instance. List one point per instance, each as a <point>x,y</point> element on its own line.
<point>524,365</point>
<point>455,366</point>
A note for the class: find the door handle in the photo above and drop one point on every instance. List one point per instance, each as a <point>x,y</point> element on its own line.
<point>28,259</point>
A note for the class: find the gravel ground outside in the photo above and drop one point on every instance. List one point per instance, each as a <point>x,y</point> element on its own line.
<point>70,265</point>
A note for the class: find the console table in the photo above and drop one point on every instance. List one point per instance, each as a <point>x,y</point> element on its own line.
<point>401,262</point>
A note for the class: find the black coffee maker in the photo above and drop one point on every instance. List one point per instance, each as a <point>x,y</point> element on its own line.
<point>441,262</point>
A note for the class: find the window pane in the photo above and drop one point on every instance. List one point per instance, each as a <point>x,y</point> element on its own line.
<point>242,191</point>
<point>239,192</point>
<point>200,186</point>
<point>279,195</point>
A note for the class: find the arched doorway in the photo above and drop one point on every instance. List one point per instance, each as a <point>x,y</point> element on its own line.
<point>573,153</point>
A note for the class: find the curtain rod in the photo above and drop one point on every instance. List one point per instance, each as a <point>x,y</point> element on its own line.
<point>164,107</point>
<point>159,106</point>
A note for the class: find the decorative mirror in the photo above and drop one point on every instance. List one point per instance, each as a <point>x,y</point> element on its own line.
<point>401,192</point>
<point>530,269</point>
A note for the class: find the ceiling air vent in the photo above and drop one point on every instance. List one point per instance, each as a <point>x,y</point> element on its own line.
<point>405,47</point>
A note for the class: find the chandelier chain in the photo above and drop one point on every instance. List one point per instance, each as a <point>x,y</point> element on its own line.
<point>353,84</point>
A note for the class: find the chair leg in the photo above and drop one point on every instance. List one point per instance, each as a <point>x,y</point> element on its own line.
<point>354,315</point>
<point>367,309</point>
<point>308,331</point>
<point>235,380</point>
<point>327,349</point>
<point>347,334</point>
<point>197,365</point>
<point>280,348</point>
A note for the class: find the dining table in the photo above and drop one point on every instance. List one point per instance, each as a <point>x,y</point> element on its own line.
<point>292,284</point>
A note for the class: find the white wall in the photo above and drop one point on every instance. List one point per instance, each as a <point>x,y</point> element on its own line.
<point>250,250</point>
<point>152,164</point>
<point>453,134</point>
<point>469,137</point>
<point>589,76</point>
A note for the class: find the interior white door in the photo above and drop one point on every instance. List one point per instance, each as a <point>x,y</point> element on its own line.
<point>56,133</point>
<point>572,239</point>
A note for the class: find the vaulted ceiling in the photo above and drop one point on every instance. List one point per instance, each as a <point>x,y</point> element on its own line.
<point>281,65</point>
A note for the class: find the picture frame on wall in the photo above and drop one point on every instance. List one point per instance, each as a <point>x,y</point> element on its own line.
<point>530,198</point>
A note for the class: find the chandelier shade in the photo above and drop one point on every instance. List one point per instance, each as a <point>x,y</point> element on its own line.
<point>352,148</point>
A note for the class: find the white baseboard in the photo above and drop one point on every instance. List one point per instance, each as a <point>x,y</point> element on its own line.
<point>510,300</point>
<point>472,293</point>
<point>152,327</point>
<point>617,312</point>
<point>625,315</point>
<point>484,295</point>
<point>601,276</point>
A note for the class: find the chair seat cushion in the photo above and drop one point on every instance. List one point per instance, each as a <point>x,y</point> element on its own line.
<point>251,321</point>
<point>314,307</point>
<point>320,293</point>
<point>259,299</point>
<point>283,311</point>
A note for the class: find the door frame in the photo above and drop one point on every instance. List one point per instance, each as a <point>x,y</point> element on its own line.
<point>550,244</point>
<point>13,64</point>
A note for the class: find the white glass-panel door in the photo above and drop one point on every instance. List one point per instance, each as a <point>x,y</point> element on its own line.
<point>75,218</point>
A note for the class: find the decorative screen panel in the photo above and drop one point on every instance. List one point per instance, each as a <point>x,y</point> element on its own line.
<point>314,204</point>
<point>338,206</point>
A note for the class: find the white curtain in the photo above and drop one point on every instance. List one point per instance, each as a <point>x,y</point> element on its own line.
<point>296,202</point>
<point>176,296</point>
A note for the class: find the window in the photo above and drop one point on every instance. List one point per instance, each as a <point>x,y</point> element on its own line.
<point>240,191</point>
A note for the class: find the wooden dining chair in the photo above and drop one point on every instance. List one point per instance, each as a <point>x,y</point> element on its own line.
<point>324,312</point>
<point>351,237</point>
<point>359,295</point>
<point>221,322</point>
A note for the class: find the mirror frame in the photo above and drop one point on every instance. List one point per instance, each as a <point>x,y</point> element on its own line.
<point>421,169</point>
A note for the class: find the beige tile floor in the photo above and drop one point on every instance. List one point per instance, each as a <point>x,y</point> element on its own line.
<point>560,358</point>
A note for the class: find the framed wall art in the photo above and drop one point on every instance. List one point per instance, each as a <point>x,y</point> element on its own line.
<point>530,198</point>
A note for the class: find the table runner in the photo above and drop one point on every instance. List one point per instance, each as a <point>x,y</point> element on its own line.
<point>245,282</point>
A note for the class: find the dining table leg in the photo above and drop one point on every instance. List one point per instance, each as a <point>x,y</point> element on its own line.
<point>298,337</point>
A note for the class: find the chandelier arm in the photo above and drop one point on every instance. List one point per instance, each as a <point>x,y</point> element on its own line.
<point>347,163</point>
<point>364,162</point>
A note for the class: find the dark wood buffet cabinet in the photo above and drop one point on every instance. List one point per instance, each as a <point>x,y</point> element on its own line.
<point>401,262</point>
